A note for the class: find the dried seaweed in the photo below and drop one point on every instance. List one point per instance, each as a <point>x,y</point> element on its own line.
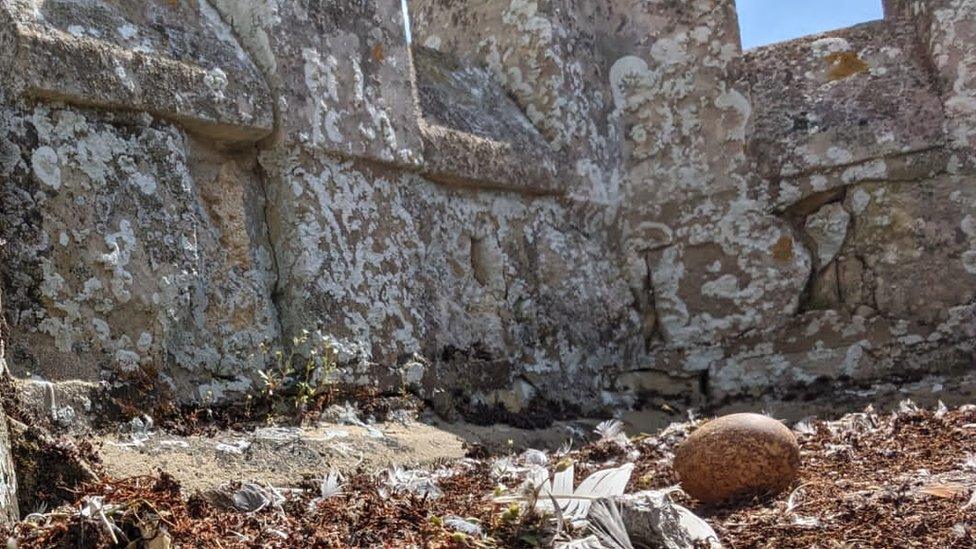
<point>867,480</point>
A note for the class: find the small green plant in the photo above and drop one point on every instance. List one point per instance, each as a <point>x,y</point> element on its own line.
<point>301,378</point>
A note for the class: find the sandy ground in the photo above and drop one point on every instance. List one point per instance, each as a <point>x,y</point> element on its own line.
<point>284,456</point>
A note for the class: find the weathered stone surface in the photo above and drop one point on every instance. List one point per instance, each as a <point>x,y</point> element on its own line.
<point>9,509</point>
<point>475,134</point>
<point>840,108</point>
<point>584,202</point>
<point>391,265</point>
<point>840,99</point>
<point>131,252</point>
<point>341,71</point>
<point>740,271</point>
<point>828,229</point>
<point>177,60</point>
<point>906,229</point>
<point>946,31</point>
<point>545,57</point>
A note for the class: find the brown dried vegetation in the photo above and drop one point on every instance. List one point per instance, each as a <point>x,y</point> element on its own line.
<point>867,480</point>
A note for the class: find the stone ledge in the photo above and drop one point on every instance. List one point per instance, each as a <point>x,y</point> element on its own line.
<point>475,135</point>
<point>138,57</point>
<point>455,158</point>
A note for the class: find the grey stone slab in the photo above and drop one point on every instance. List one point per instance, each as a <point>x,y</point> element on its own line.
<point>475,134</point>
<point>840,99</point>
<point>177,60</point>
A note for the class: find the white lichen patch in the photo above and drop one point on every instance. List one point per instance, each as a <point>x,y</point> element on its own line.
<point>216,82</point>
<point>46,167</point>
<point>860,200</point>
<point>969,261</point>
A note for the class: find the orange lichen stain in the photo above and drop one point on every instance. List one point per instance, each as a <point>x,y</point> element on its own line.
<point>844,64</point>
<point>378,54</point>
<point>783,249</point>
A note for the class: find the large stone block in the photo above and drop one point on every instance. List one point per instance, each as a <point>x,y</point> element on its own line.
<point>177,60</point>
<point>946,31</point>
<point>918,241</point>
<point>683,117</point>
<point>474,133</point>
<point>840,105</point>
<point>132,252</point>
<point>547,59</point>
<point>390,265</point>
<point>833,349</point>
<point>341,71</point>
<point>729,271</point>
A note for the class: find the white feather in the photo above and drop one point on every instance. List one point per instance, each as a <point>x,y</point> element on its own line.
<point>331,485</point>
<point>607,524</point>
<point>609,429</point>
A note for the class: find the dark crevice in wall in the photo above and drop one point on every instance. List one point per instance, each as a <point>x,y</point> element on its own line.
<point>704,384</point>
<point>272,82</point>
<point>275,266</point>
<point>796,215</point>
<point>648,306</point>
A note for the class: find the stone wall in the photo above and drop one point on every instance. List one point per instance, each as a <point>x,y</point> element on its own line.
<point>587,203</point>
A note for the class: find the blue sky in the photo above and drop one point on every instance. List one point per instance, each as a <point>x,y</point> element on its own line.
<point>767,21</point>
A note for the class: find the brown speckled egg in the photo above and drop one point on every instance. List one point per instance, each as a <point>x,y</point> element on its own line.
<point>735,456</point>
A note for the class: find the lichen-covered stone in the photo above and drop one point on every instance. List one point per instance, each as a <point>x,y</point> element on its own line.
<point>945,31</point>
<point>9,509</point>
<point>341,72</point>
<point>391,265</point>
<point>131,252</point>
<point>828,229</point>
<point>904,230</point>
<point>592,203</point>
<point>474,134</point>
<point>846,99</point>
<point>178,60</point>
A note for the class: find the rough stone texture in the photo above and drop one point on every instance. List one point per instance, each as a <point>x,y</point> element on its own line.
<point>177,60</point>
<point>737,456</point>
<point>840,100</point>
<point>828,229</point>
<point>9,512</point>
<point>905,229</point>
<point>591,203</point>
<point>341,71</point>
<point>9,509</point>
<point>131,251</point>
<point>946,31</point>
<point>485,287</point>
<point>473,132</point>
<point>392,265</point>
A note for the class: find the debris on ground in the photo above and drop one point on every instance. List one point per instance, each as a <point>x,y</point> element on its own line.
<point>900,479</point>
